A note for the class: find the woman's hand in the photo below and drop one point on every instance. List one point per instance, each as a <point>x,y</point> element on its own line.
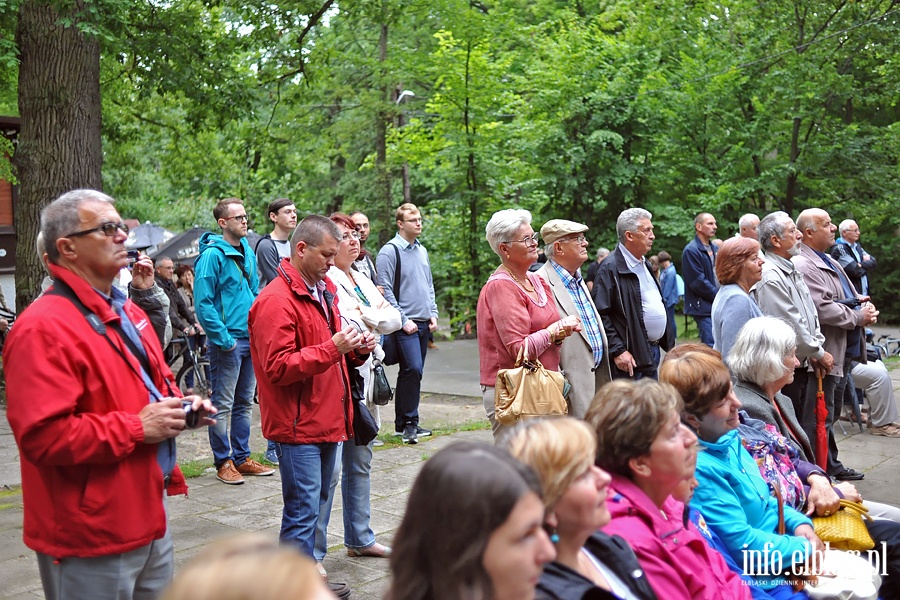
<point>822,500</point>
<point>806,531</point>
<point>849,491</point>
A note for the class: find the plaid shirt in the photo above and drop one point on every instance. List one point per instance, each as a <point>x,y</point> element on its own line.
<point>585,309</point>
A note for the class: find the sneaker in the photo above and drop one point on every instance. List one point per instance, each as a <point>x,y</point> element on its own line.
<point>226,473</point>
<point>272,457</point>
<point>422,432</point>
<point>889,430</point>
<point>409,435</point>
<point>846,474</point>
<point>376,443</point>
<point>251,467</point>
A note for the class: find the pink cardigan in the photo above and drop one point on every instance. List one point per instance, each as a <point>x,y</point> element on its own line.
<point>506,315</point>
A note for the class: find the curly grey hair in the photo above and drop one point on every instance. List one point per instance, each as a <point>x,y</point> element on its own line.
<point>503,224</point>
<point>628,221</point>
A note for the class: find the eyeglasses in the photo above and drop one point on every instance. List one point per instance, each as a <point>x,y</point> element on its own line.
<point>578,240</point>
<point>238,218</point>
<point>109,229</point>
<point>532,239</point>
<point>352,235</point>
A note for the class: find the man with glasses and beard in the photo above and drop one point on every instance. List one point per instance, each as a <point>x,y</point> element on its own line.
<point>225,285</point>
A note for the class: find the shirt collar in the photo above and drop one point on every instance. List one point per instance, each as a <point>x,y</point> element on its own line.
<point>400,241</point>
<point>630,259</point>
<point>567,278</point>
<point>779,261</point>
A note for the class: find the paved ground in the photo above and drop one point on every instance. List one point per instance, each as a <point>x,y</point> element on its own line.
<point>452,396</point>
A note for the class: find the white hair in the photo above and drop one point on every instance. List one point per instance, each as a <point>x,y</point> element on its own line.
<point>504,224</point>
<point>629,220</point>
<point>759,350</point>
<point>845,225</point>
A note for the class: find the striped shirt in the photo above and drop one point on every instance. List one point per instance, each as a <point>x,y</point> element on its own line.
<point>585,307</point>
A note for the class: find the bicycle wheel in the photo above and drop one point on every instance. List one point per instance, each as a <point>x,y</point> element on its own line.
<point>202,386</point>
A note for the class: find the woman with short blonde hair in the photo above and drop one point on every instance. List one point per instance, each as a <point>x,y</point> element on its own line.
<point>589,563</point>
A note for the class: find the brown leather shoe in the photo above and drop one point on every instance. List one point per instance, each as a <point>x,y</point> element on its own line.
<point>228,474</point>
<point>251,467</point>
<point>376,550</point>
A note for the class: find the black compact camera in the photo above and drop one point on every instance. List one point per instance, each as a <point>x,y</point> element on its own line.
<point>851,302</point>
<point>191,417</point>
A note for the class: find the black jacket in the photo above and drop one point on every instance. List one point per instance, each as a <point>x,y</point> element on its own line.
<point>617,294</point>
<point>559,582</point>
<point>179,313</point>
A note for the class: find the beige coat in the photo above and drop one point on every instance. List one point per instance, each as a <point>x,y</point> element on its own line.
<point>576,357</point>
<point>835,319</point>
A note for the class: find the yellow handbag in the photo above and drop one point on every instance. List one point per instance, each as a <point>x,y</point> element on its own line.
<point>845,529</point>
<point>528,390</point>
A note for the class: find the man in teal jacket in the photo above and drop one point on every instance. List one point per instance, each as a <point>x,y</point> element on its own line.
<point>225,286</point>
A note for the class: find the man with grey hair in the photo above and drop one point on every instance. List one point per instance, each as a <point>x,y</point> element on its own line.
<point>782,293</point>
<point>747,226</point>
<point>856,261</point>
<point>585,359</point>
<point>842,315</point>
<point>301,351</point>
<point>97,449</point>
<point>629,301</point>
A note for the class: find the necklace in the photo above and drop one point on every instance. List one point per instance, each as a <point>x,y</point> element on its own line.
<point>516,279</point>
<point>359,293</point>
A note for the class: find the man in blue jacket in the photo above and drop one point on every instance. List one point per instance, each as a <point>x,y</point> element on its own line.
<point>225,286</point>
<point>698,267</point>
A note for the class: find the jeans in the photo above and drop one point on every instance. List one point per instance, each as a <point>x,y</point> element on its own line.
<point>306,472</point>
<point>670,315</point>
<point>356,463</point>
<point>647,373</point>
<point>233,383</point>
<point>704,324</point>
<point>412,349</point>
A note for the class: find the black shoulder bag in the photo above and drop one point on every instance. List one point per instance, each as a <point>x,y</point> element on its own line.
<point>389,342</point>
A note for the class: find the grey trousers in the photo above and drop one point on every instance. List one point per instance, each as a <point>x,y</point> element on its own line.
<point>141,574</point>
<point>874,379</point>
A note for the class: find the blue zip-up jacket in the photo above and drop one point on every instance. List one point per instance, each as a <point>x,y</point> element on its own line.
<point>737,504</point>
<point>225,285</point>
<point>699,275</point>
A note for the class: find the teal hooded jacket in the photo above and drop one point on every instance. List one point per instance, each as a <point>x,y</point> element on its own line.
<point>225,285</point>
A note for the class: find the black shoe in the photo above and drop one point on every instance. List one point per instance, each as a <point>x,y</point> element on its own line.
<point>409,435</point>
<point>341,590</point>
<point>849,475</point>
<point>422,432</point>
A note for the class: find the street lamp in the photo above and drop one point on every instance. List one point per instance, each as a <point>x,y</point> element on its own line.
<point>405,168</point>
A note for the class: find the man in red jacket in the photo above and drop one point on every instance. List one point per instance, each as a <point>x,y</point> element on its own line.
<point>298,346</point>
<point>94,410</point>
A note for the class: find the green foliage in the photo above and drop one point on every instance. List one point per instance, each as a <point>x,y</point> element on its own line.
<point>566,108</point>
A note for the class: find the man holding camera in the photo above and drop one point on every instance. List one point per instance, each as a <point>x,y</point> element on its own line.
<point>95,412</point>
<point>298,342</point>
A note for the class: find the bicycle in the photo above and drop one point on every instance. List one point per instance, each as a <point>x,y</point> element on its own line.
<point>888,345</point>
<point>193,375</point>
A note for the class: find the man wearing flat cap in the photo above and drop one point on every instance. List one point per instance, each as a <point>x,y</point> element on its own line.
<point>585,359</point>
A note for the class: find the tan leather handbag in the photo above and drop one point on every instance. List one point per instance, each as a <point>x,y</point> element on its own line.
<point>529,390</point>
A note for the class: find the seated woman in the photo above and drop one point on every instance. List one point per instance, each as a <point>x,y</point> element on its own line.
<point>515,306</point>
<point>472,529</point>
<point>648,452</point>
<point>589,563</point>
<point>738,268</point>
<point>762,361</point>
<point>733,496</point>
<point>248,567</point>
<point>684,493</point>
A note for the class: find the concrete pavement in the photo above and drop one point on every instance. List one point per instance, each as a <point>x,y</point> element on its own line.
<point>451,396</point>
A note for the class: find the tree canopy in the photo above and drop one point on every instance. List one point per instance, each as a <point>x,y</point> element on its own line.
<point>567,108</point>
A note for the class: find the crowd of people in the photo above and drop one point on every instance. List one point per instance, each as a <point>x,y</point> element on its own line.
<point>656,485</point>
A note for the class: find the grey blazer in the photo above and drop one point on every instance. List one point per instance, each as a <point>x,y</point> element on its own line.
<point>576,357</point>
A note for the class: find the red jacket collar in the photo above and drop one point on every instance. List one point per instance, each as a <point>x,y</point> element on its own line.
<point>85,292</point>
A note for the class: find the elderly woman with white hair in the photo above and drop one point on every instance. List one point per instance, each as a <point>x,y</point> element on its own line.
<point>762,361</point>
<point>515,307</point>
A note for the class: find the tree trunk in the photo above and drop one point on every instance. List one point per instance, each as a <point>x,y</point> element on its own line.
<point>59,143</point>
<point>381,125</point>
